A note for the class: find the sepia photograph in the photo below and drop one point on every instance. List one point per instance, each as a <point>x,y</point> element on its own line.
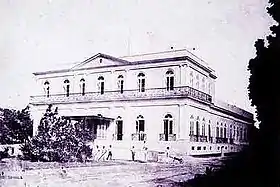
<point>132,93</point>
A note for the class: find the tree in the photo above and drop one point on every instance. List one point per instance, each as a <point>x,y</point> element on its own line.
<point>264,95</point>
<point>15,126</point>
<point>58,139</point>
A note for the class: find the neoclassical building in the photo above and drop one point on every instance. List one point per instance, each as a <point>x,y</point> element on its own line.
<point>164,99</point>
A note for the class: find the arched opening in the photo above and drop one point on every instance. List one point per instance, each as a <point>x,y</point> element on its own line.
<point>197,129</point>
<point>168,127</point>
<point>141,82</point>
<point>67,87</point>
<point>140,128</point>
<point>101,84</point>
<point>169,80</point>
<point>47,88</point>
<point>119,128</point>
<point>191,126</point>
<point>209,132</point>
<point>120,83</point>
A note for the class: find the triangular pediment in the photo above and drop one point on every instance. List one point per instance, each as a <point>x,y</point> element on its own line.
<point>100,60</point>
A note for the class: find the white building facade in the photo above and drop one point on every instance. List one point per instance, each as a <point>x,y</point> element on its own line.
<point>164,99</point>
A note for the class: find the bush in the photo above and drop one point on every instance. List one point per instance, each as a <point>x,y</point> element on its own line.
<point>58,139</point>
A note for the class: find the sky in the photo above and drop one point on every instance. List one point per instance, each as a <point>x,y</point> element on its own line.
<point>36,34</point>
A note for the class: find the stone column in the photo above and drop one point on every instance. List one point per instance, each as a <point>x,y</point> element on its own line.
<point>127,124</point>
<point>182,122</point>
<point>112,86</point>
<point>183,75</point>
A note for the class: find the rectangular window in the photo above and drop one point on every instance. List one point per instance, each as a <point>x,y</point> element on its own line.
<point>191,128</point>
<point>203,129</point>
<point>101,131</point>
<point>221,132</point>
<point>225,133</point>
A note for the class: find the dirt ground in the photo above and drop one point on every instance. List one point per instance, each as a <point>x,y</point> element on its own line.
<point>103,174</point>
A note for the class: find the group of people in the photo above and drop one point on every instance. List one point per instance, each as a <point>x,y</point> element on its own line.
<point>102,154</point>
<point>144,150</point>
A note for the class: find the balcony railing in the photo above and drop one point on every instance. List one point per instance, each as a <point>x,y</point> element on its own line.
<point>169,137</point>
<point>153,93</point>
<point>198,138</point>
<point>221,140</point>
<point>138,137</point>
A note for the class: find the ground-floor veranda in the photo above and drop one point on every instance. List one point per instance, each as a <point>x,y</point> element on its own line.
<point>108,131</point>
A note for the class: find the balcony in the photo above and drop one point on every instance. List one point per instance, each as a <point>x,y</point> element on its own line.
<point>153,93</point>
<point>138,137</point>
<point>196,138</point>
<point>221,140</point>
<point>169,137</point>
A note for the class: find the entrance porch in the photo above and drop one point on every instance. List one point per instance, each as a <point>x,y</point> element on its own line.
<point>101,127</point>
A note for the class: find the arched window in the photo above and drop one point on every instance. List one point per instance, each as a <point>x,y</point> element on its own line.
<point>225,132</point>
<point>191,79</point>
<point>209,131</point>
<point>119,128</point>
<point>191,126</point>
<point>209,128</point>
<point>140,124</point>
<point>217,130</point>
<point>197,82</point>
<point>168,126</point>
<point>203,84</point>
<point>140,127</point>
<point>47,88</point>
<point>221,132</point>
<point>169,80</point>
<point>101,84</point>
<point>197,127</point>
<point>141,82</point>
<point>234,132</point>
<point>203,127</point>
<point>237,133</point>
<point>67,87</point>
<point>83,86</point>
<point>120,83</point>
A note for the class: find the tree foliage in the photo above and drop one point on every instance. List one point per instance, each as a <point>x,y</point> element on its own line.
<point>58,139</point>
<point>15,126</point>
<point>264,95</point>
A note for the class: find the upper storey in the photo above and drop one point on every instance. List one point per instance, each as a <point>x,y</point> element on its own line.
<point>176,73</point>
<point>163,75</point>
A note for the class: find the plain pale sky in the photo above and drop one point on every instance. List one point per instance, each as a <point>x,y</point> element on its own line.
<point>38,34</point>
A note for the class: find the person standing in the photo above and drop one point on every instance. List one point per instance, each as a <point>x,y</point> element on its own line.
<point>97,153</point>
<point>167,154</point>
<point>109,157</point>
<point>132,153</point>
<point>145,151</point>
<point>103,152</point>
